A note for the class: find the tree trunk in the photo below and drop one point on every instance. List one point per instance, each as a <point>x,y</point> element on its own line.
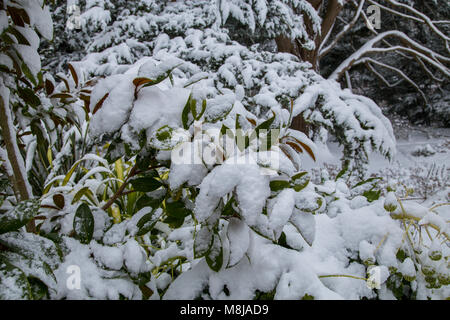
<point>285,44</point>
<point>19,177</point>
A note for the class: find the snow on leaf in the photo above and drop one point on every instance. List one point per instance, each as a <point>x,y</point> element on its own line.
<point>305,224</point>
<point>239,239</point>
<point>19,216</point>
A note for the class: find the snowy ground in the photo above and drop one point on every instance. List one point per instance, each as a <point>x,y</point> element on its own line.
<point>421,162</point>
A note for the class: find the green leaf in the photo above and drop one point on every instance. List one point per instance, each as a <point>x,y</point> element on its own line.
<point>163,76</point>
<point>300,181</point>
<point>203,110</point>
<point>301,186</point>
<point>28,73</point>
<point>166,138</point>
<point>176,213</point>
<point>35,255</point>
<point>153,200</point>
<point>19,216</point>
<point>282,241</point>
<point>228,208</point>
<point>203,241</point>
<point>193,107</point>
<point>145,184</point>
<point>115,151</point>
<point>177,209</point>
<point>39,290</point>
<point>237,124</point>
<point>19,36</point>
<point>214,257</point>
<point>366,181</point>
<point>343,171</point>
<point>299,175</point>
<point>185,114</point>
<point>215,114</point>
<point>277,185</point>
<point>83,223</point>
<point>29,96</point>
<point>147,223</point>
<point>143,160</point>
<point>85,191</point>
<point>372,195</point>
<point>271,138</point>
<point>265,125</point>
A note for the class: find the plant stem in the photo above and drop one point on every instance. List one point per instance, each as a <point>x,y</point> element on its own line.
<point>121,189</point>
<point>342,276</point>
<point>405,215</point>
<point>19,176</point>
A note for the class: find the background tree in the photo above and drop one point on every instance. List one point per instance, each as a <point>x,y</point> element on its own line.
<point>411,45</point>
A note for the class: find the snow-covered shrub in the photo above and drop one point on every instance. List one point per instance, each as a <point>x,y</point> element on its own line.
<point>210,224</point>
<point>179,177</point>
<point>424,151</point>
<point>215,175</point>
<point>262,20</point>
<point>194,31</point>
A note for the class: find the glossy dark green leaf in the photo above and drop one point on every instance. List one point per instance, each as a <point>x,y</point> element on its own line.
<point>83,223</point>
<point>176,213</point>
<point>147,223</point>
<point>177,209</point>
<point>39,290</point>
<point>145,184</point>
<point>299,175</point>
<point>153,199</point>
<point>29,96</point>
<point>228,208</point>
<point>214,257</point>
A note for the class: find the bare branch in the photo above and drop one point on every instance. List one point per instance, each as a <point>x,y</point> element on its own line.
<point>410,46</point>
<point>398,13</point>
<point>419,14</point>
<point>368,62</point>
<point>348,27</point>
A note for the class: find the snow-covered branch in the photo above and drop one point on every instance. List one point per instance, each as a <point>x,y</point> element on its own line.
<point>423,18</point>
<point>410,46</point>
